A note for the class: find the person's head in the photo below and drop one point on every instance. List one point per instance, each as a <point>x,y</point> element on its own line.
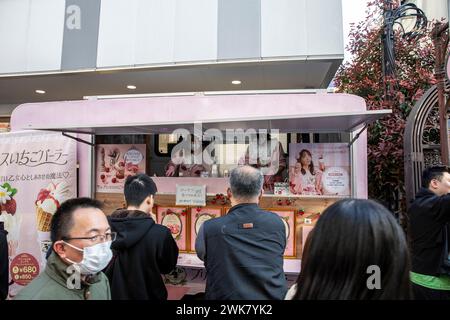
<point>305,159</point>
<point>437,179</point>
<point>139,192</point>
<point>356,251</point>
<point>246,185</point>
<point>79,224</point>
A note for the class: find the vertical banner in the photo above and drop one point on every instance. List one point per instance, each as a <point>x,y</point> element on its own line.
<point>115,162</point>
<point>319,169</point>
<point>37,174</point>
<point>81,25</point>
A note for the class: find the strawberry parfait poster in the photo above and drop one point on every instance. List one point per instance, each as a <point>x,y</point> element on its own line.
<point>37,174</point>
<point>115,162</point>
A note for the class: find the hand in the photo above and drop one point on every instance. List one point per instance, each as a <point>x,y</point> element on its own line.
<point>170,171</point>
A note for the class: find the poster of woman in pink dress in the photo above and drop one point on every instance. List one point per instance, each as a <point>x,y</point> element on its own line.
<point>319,169</point>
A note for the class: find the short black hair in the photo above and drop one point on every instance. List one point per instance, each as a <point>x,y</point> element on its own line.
<point>62,220</point>
<point>137,188</point>
<point>434,172</point>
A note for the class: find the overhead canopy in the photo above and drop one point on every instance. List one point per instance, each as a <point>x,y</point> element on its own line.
<point>287,112</point>
<point>329,122</point>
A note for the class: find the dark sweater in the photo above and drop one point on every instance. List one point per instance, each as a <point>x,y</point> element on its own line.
<point>428,216</point>
<point>143,251</point>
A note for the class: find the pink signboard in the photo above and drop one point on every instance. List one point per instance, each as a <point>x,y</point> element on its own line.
<point>288,218</point>
<point>175,218</point>
<point>319,169</point>
<point>115,162</point>
<point>37,174</point>
<point>198,217</point>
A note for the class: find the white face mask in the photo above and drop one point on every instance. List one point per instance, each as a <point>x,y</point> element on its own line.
<point>95,258</point>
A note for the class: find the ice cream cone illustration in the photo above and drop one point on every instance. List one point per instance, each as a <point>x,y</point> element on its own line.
<point>48,201</point>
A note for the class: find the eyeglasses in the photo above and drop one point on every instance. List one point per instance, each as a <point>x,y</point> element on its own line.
<point>109,236</point>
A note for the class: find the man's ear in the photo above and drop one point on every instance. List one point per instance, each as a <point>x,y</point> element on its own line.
<point>59,248</point>
<point>229,194</point>
<point>150,201</point>
<point>434,184</point>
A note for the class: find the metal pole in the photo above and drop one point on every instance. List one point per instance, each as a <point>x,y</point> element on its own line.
<point>439,36</point>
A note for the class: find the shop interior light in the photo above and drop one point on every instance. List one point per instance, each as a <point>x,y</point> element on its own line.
<point>40,91</point>
<point>236,82</point>
<point>131,87</point>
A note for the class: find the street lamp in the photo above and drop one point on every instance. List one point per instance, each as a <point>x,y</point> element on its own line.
<point>397,17</point>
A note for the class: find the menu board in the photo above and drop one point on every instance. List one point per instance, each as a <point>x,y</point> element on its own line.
<point>198,216</point>
<point>175,218</point>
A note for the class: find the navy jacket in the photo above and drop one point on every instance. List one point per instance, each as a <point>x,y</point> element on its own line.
<point>243,255</point>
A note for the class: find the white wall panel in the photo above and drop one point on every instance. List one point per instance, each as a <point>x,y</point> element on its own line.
<point>13,35</point>
<point>324,23</point>
<point>283,28</point>
<point>117,33</point>
<point>45,35</point>
<point>195,30</point>
<point>155,31</point>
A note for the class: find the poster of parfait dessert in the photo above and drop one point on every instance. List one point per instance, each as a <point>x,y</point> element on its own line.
<point>319,169</point>
<point>115,162</point>
<point>37,174</point>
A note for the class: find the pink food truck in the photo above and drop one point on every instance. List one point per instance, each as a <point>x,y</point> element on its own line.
<point>89,147</point>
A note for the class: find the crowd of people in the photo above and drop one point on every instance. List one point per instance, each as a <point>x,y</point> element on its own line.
<point>357,249</point>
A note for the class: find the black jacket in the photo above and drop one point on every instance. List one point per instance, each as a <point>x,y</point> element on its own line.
<point>143,251</point>
<point>4,260</point>
<point>243,255</point>
<point>428,216</point>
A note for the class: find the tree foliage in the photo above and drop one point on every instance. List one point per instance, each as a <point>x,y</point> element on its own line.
<point>363,76</point>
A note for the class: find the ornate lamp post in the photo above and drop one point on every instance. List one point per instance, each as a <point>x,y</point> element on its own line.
<point>395,17</point>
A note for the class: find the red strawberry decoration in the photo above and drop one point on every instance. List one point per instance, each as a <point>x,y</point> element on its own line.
<point>10,206</point>
<point>113,180</point>
<point>43,194</point>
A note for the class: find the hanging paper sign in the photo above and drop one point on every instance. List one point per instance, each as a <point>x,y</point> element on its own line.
<point>190,195</point>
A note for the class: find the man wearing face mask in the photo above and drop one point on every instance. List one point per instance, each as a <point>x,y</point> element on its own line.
<point>81,239</point>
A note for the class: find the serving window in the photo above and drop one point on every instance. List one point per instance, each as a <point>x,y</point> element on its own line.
<point>292,163</point>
